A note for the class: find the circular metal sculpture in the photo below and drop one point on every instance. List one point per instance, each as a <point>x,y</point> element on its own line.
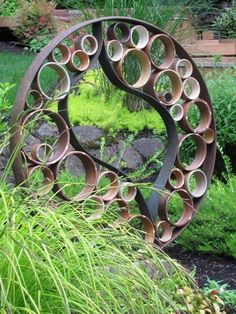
<point>110,40</point>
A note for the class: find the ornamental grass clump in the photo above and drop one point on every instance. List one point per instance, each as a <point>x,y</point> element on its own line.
<point>52,260</point>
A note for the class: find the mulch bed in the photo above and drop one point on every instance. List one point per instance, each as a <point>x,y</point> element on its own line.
<point>206,266</point>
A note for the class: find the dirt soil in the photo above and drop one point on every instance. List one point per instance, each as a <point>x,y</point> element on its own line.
<point>207,266</point>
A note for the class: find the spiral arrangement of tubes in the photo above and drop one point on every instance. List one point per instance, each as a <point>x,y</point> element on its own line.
<point>70,55</point>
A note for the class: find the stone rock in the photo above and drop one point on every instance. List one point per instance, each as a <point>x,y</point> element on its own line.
<point>3,162</point>
<point>147,146</point>
<point>132,158</point>
<point>46,130</point>
<point>88,135</point>
<point>74,166</point>
<point>6,151</point>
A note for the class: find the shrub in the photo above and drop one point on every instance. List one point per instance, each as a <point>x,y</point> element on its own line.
<point>36,25</point>
<point>8,7</point>
<point>213,230</point>
<point>226,21</point>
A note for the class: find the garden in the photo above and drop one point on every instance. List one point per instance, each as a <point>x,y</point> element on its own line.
<point>117,158</point>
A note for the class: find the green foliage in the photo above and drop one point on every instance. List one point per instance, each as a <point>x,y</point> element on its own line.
<point>213,230</point>
<point>8,7</point>
<point>5,105</point>
<point>36,25</point>
<point>226,21</point>
<point>54,261</point>
<point>92,108</point>
<point>223,97</point>
<point>222,289</point>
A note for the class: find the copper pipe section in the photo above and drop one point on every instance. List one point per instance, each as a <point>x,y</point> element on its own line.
<point>64,81</point>
<point>87,43</point>
<point>199,187</point>
<point>209,136</point>
<point>188,208</point>
<point>84,61</point>
<point>176,179</point>
<point>149,229</point>
<point>191,88</point>
<point>112,188</point>
<point>169,51</point>
<point>115,29</point>
<point>37,99</point>
<point>63,139</point>
<point>42,152</point>
<point>127,192</point>
<point>201,151</point>
<point>145,67</point>
<point>65,54</point>
<point>142,37</point>
<point>48,181</point>
<point>99,207</point>
<point>166,233</point>
<point>176,87</point>
<point>123,211</point>
<point>90,176</point>
<point>205,116</point>
<point>177,112</point>
<point>183,67</point>
<point>115,50</point>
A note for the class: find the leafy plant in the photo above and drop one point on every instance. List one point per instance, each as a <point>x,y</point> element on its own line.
<point>222,290</point>
<point>36,25</point>
<point>5,105</point>
<point>213,230</point>
<point>226,21</point>
<point>8,7</point>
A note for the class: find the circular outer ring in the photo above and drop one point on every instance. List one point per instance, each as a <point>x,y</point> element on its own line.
<point>113,187</point>
<point>64,81</point>
<point>179,177</point>
<point>183,63</point>
<point>90,170</point>
<point>48,181</point>
<point>118,50</point>
<point>167,231</point>
<point>144,63</point>
<point>209,136</point>
<point>169,49</point>
<point>36,152</point>
<point>149,228</point>
<point>201,183</point>
<point>84,58</point>
<point>100,207</point>
<point>187,210</point>
<point>38,99</point>
<point>64,135</point>
<point>112,29</point>
<point>195,88</point>
<point>80,43</point>
<point>200,153</point>
<point>176,83</point>
<point>179,112</point>
<point>205,116</point>
<point>143,37</point>
<point>132,191</point>
<point>65,51</point>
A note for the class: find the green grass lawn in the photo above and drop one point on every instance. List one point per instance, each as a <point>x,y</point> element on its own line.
<point>12,70</point>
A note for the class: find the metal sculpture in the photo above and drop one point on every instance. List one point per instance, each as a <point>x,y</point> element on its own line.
<point>123,36</point>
